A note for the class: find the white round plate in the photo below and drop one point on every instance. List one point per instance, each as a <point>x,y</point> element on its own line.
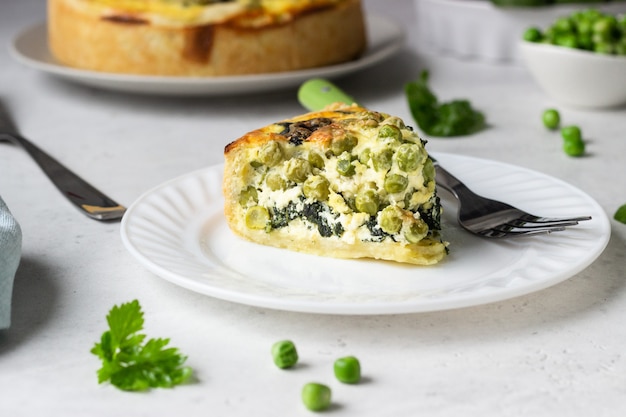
<point>30,47</point>
<point>178,231</point>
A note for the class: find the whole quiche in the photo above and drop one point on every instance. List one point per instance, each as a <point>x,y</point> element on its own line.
<point>204,37</point>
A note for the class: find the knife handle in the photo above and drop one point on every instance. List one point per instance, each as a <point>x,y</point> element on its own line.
<point>83,195</point>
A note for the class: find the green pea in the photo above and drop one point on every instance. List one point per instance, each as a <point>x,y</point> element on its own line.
<point>316,160</point>
<point>568,40</point>
<point>395,121</point>
<point>297,170</point>
<point>591,30</point>
<point>372,118</point>
<point>395,183</point>
<point>429,171</point>
<point>408,157</point>
<point>548,35</point>
<point>603,48</point>
<point>316,187</point>
<point>275,181</point>
<point>390,219</point>
<point>532,35</point>
<point>585,41</point>
<point>345,167</point>
<point>367,201</point>
<point>382,160</point>
<point>605,27</point>
<point>257,217</point>
<point>344,144</point>
<point>574,147</point>
<point>247,195</point>
<point>348,370</point>
<point>416,231</point>
<point>571,133</point>
<point>584,26</point>
<point>551,118</point>
<point>270,154</point>
<point>563,25</point>
<point>389,132</point>
<point>285,354</point>
<point>350,202</point>
<point>365,156</point>
<point>407,199</point>
<point>316,396</point>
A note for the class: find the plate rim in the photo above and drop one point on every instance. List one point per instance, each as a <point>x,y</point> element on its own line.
<point>207,86</point>
<point>379,308</point>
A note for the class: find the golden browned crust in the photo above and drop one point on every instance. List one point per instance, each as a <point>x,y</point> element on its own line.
<point>96,38</point>
<point>323,135</point>
<point>243,169</point>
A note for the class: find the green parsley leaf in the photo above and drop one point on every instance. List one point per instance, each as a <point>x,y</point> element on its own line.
<point>129,364</point>
<point>454,118</point>
<point>620,214</point>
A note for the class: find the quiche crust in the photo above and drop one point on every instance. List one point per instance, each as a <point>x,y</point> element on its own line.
<point>211,40</point>
<point>345,182</point>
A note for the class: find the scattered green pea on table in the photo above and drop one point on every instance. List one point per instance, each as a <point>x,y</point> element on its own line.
<point>316,396</point>
<point>551,118</point>
<point>573,144</point>
<point>571,133</point>
<point>348,370</point>
<point>573,148</point>
<point>285,354</point>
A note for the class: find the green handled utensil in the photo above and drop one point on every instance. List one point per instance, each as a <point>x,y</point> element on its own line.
<point>317,93</point>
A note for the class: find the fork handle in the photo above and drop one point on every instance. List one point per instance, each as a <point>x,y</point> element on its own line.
<point>83,195</point>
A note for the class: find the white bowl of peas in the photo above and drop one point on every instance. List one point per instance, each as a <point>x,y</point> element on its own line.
<point>580,60</point>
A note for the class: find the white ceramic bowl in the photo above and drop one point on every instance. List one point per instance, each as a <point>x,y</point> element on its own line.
<point>476,29</point>
<point>575,77</point>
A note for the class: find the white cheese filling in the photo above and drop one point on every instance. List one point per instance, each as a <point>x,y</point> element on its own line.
<point>355,226</point>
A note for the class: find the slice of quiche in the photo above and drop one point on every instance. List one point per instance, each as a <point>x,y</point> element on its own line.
<point>344,182</point>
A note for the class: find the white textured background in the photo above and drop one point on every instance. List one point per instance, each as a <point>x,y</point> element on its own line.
<point>559,352</point>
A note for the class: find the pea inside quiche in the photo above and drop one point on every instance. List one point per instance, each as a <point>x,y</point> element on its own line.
<point>345,182</point>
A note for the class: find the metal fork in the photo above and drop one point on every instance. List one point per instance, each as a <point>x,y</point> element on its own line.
<point>83,195</point>
<point>495,219</point>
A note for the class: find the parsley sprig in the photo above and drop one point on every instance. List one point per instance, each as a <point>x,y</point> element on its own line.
<point>132,365</point>
<point>454,118</point>
<point>620,214</point>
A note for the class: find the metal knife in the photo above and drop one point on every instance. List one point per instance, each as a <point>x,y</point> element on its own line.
<point>83,195</point>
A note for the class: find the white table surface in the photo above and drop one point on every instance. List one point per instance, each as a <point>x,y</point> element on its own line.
<point>557,352</point>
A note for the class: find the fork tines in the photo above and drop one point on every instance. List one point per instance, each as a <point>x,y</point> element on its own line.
<point>538,225</point>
